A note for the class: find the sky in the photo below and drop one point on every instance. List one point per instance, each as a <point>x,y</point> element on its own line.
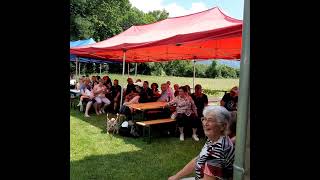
<point>233,8</point>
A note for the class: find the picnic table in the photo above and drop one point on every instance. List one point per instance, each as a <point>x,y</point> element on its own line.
<point>148,105</point>
<point>147,124</point>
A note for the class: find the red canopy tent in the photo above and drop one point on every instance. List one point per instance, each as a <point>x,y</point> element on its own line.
<point>208,34</point>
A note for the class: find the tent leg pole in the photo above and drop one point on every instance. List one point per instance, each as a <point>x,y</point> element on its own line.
<point>194,73</point>
<point>136,69</point>
<point>100,69</point>
<point>76,68</point>
<point>243,103</point>
<point>79,69</point>
<point>123,67</point>
<point>128,69</point>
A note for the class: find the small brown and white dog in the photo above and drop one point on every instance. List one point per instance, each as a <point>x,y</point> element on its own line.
<point>113,124</point>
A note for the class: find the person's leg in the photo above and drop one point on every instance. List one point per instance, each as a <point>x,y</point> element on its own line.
<point>193,120</point>
<point>106,103</point>
<point>116,105</point>
<point>122,110</point>
<point>87,109</point>
<point>99,101</point>
<point>180,123</point>
<point>95,105</point>
<point>84,100</point>
<point>80,103</point>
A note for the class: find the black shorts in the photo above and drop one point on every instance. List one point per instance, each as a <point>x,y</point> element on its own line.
<point>183,120</point>
<point>86,100</point>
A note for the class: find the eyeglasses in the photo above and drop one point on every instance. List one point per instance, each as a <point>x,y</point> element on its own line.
<point>208,119</point>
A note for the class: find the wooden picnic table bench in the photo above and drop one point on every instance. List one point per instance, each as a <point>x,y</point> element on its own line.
<point>147,124</point>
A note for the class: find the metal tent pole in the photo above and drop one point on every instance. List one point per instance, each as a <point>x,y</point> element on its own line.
<point>128,69</point>
<point>76,68</point>
<point>79,69</point>
<point>123,67</point>
<point>100,69</point>
<point>135,74</point>
<point>194,73</point>
<point>243,103</point>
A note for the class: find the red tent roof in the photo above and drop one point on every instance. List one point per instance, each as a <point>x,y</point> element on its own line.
<point>208,34</point>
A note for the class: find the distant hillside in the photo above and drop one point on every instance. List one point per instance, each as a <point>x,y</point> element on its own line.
<point>233,64</point>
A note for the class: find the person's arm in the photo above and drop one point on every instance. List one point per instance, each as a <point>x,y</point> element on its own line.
<point>205,100</point>
<point>118,94</point>
<point>174,101</point>
<point>206,177</point>
<point>233,140</point>
<point>82,91</point>
<point>156,94</point>
<point>194,107</point>
<point>223,100</point>
<point>149,94</point>
<point>188,169</point>
<point>94,90</point>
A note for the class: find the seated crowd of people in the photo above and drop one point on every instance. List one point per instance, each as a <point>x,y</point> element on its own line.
<point>186,107</point>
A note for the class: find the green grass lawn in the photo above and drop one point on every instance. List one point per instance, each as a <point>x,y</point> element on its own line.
<point>94,154</point>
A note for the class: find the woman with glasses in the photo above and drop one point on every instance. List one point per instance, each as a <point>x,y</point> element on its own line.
<point>215,160</point>
<point>186,112</point>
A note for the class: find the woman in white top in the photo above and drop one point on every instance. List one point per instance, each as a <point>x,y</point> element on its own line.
<point>100,91</point>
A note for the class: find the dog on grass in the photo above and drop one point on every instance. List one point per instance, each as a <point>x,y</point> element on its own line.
<point>113,124</point>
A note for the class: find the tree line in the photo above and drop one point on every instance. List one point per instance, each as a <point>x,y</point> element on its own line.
<point>172,68</point>
<point>102,19</point>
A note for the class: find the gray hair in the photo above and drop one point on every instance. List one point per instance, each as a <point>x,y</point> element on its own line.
<point>220,114</point>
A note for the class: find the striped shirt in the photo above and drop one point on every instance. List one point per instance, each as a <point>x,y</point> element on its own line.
<point>216,159</point>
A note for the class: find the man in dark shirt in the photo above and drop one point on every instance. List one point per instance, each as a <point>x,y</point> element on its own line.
<point>146,93</point>
<point>230,100</point>
<point>201,101</point>
<point>115,94</point>
<point>130,86</point>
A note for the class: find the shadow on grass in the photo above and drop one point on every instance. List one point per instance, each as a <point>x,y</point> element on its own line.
<point>157,162</point>
<point>128,165</point>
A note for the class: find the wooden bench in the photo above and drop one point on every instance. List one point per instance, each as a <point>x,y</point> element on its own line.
<point>153,122</point>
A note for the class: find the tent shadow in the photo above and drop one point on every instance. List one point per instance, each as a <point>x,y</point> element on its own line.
<point>148,162</point>
<point>126,165</point>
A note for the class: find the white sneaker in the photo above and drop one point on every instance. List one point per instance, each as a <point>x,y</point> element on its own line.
<point>195,137</point>
<point>86,115</point>
<point>103,111</point>
<point>81,108</point>
<point>181,137</point>
<point>100,112</point>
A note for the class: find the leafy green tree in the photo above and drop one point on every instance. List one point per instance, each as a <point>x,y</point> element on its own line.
<point>212,70</point>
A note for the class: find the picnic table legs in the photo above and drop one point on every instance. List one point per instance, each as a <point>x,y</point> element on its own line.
<point>149,139</point>
<point>149,134</point>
